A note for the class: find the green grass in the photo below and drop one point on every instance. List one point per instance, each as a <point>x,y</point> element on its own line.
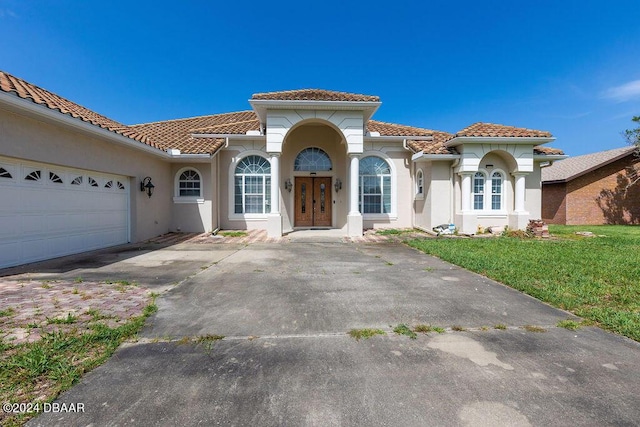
<point>393,231</point>
<point>41,370</point>
<point>569,324</point>
<point>597,278</point>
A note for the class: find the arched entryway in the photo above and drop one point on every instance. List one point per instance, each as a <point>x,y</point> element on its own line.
<point>314,166</point>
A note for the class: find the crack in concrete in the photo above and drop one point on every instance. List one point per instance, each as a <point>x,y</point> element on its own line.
<point>388,331</point>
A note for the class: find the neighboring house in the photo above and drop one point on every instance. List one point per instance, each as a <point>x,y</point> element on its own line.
<point>597,188</point>
<point>70,179</point>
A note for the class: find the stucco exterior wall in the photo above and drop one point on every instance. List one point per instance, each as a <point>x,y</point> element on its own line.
<point>193,217</point>
<point>533,193</point>
<point>440,194</point>
<point>29,139</point>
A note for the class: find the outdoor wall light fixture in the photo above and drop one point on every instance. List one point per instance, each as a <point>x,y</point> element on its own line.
<point>338,185</point>
<point>288,185</point>
<point>147,186</point>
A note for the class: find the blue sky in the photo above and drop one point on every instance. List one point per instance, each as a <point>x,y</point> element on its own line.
<point>569,67</point>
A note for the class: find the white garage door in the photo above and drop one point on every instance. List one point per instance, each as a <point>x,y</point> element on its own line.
<point>48,211</point>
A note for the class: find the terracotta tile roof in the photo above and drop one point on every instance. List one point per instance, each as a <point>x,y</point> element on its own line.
<point>538,149</point>
<point>501,131</point>
<point>314,95</point>
<point>573,167</point>
<point>177,133</point>
<point>37,95</point>
<point>436,146</point>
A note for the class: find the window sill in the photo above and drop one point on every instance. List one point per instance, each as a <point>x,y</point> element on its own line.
<point>491,214</point>
<point>248,217</point>
<point>390,217</point>
<point>187,200</point>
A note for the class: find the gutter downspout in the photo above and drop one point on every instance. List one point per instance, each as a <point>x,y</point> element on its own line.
<point>215,155</point>
<point>452,197</point>
<point>413,177</point>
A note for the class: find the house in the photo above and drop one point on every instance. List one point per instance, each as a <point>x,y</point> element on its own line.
<point>72,180</point>
<point>597,188</point>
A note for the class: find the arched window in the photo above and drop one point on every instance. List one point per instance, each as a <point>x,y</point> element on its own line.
<point>189,184</point>
<point>312,159</point>
<point>419,183</point>
<point>375,186</point>
<point>252,186</point>
<point>478,191</point>
<point>496,191</point>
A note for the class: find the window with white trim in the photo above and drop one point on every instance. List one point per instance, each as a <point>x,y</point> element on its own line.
<point>252,186</point>
<point>375,186</point>
<point>478,191</point>
<point>488,191</point>
<point>189,184</point>
<point>312,159</point>
<point>496,191</point>
<point>419,183</point>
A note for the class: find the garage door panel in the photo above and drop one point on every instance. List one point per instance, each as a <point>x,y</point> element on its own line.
<point>44,219</point>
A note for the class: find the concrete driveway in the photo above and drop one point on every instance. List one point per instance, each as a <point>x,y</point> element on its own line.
<point>286,359</point>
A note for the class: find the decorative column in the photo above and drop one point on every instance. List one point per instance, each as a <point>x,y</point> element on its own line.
<point>519,218</point>
<point>520,190</point>
<point>354,219</point>
<point>465,189</point>
<point>354,182</point>
<point>275,183</point>
<point>274,219</point>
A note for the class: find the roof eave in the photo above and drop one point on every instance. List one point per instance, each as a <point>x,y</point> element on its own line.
<point>591,169</point>
<point>518,140</point>
<point>42,112</point>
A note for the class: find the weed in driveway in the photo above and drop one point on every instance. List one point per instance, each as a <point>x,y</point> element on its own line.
<point>500,326</point>
<point>423,329</point>
<point>8,312</point>
<point>403,329</point>
<point>365,333</point>
<point>63,320</point>
<point>458,328</point>
<point>532,328</point>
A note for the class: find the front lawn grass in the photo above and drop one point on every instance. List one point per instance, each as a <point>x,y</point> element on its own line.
<point>597,278</point>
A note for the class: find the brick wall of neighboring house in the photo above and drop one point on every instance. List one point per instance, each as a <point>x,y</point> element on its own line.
<point>554,208</point>
<point>598,197</point>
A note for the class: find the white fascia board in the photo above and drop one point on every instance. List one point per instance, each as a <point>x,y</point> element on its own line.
<point>545,157</point>
<point>522,140</point>
<point>261,106</point>
<point>44,113</point>
<point>424,156</point>
<point>229,136</point>
<point>191,158</point>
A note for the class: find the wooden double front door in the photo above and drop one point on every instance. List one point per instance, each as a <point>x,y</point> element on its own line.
<point>313,201</point>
